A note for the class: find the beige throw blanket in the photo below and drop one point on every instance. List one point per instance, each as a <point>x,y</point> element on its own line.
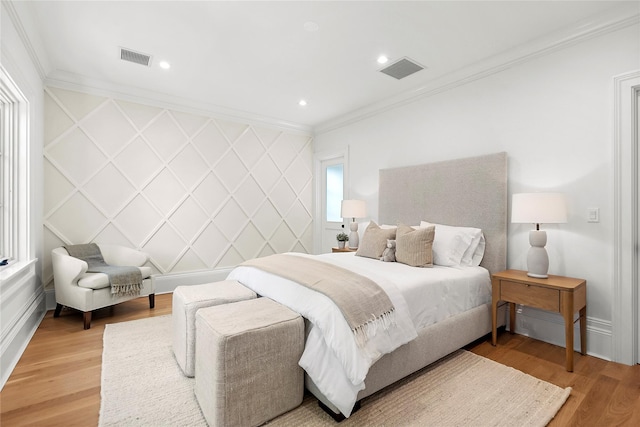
<point>363,303</point>
<point>124,280</point>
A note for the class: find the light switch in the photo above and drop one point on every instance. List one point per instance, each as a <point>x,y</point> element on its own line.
<point>593,215</point>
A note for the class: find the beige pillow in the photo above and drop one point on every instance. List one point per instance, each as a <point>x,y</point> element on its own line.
<point>374,241</point>
<point>414,247</point>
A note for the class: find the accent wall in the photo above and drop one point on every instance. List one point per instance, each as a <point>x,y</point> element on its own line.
<point>197,193</point>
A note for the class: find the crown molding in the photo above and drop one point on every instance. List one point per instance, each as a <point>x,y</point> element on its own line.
<point>21,22</point>
<point>617,19</point>
<point>78,83</point>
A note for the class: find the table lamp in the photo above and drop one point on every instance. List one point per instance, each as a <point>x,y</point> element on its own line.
<point>353,209</point>
<point>538,208</point>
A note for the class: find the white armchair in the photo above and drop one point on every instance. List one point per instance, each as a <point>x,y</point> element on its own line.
<point>84,291</point>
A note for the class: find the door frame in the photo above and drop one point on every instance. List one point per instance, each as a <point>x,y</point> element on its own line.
<point>318,158</point>
<point>626,295</point>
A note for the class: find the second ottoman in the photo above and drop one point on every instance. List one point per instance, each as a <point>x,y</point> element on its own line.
<point>247,357</point>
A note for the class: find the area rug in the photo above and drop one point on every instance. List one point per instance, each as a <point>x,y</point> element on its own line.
<point>142,385</point>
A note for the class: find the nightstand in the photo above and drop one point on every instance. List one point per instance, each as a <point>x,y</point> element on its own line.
<point>559,294</point>
<point>345,249</point>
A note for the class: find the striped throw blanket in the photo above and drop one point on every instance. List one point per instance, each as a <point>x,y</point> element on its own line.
<point>124,280</point>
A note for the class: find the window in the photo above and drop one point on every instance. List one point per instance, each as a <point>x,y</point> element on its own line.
<point>4,235</point>
<point>335,186</point>
<point>13,169</point>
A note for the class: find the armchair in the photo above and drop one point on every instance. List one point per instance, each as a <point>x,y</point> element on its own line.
<point>76,288</point>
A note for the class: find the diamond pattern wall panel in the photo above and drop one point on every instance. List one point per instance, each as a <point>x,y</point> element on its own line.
<point>195,192</point>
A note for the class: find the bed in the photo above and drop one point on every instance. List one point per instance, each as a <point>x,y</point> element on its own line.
<point>470,192</point>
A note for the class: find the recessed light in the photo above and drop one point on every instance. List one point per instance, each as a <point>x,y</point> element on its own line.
<point>311,26</point>
<point>164,65</point>
<point>382,59</point>
<point>302,103</point>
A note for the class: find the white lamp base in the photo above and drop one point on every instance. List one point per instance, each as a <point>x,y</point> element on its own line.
<point>537,258</point>
<point>354,239</point>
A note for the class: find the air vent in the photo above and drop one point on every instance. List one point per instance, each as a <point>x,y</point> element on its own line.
<point>135,57</point>
<point>402,68</point>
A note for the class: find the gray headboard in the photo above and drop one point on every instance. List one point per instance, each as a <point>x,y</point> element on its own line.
<point>469,192</point>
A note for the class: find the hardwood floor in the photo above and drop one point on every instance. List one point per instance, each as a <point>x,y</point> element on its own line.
<point>57,381</point>
<point>603,393</point>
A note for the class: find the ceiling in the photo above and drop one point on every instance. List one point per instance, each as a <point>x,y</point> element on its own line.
<point>258,59</point>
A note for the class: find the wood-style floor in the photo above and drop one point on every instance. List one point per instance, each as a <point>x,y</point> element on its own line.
<point>57,381</point>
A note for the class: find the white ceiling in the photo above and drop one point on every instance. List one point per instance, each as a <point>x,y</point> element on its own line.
<point>256,59</point>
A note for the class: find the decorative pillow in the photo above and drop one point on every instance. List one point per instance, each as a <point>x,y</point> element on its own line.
<point>414,247</point>
<point>374,241</point>
<point>452,243</point>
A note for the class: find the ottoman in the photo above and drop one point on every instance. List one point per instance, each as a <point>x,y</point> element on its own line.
<point>247,362</point>
<point>187,300</point>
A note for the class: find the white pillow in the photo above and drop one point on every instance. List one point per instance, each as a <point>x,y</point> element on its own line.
<point>474,254</point>
<point>451,244</point>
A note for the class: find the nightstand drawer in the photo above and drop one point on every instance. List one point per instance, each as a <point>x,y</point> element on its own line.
<point>534,296</point>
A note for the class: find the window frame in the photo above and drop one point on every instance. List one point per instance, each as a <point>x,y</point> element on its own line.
<point>14,170</point>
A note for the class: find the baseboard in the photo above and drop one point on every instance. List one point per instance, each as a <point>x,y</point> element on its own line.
<point>166,283</point>
<point>549,327</point>
<point>17,339</point>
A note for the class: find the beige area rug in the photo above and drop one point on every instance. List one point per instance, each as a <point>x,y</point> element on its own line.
<point>143,386</point>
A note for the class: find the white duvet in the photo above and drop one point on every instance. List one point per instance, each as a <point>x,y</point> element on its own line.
<point>332,359</point>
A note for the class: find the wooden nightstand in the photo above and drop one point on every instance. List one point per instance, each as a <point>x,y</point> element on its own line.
<point>563,295</point>
<point>346,249</point>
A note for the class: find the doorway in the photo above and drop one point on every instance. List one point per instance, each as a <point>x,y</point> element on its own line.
<point>626,298</point>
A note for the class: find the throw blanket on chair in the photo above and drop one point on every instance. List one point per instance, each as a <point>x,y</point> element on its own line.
<point>364,304</point>
<point>124,280</point>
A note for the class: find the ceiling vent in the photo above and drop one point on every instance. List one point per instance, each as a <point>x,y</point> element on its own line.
<point>135,57</point>
<point>402,68</point>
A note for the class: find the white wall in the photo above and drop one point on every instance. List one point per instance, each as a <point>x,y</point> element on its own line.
<point>553,116</point>
<point>21,295</point>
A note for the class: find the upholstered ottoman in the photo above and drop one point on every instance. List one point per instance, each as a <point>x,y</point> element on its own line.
<point>187,300</point>
<point>247,362</point>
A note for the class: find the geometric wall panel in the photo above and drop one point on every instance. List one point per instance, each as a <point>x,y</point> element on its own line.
<point>76,156</point>
<point>138,162</point>
<point>266,173</point>
<point>188,219</point>
<point>109,128</point>
<point>211,194</point>
<point>188,166</point>
<point>165,191</point>
<point>109,189</point>
<point>138,220</point>
<point>59,187</point>
<point>77,219</point>
<point>211,143</point>
<point>193,191</point>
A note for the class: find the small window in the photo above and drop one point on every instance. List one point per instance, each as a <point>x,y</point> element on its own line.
<point>335,186</point>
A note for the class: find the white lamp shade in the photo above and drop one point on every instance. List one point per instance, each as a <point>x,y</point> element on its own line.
<point>353,209</point>
<point>539,208</point>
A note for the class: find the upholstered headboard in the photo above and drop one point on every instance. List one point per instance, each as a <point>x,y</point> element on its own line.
<point>468,192</point>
